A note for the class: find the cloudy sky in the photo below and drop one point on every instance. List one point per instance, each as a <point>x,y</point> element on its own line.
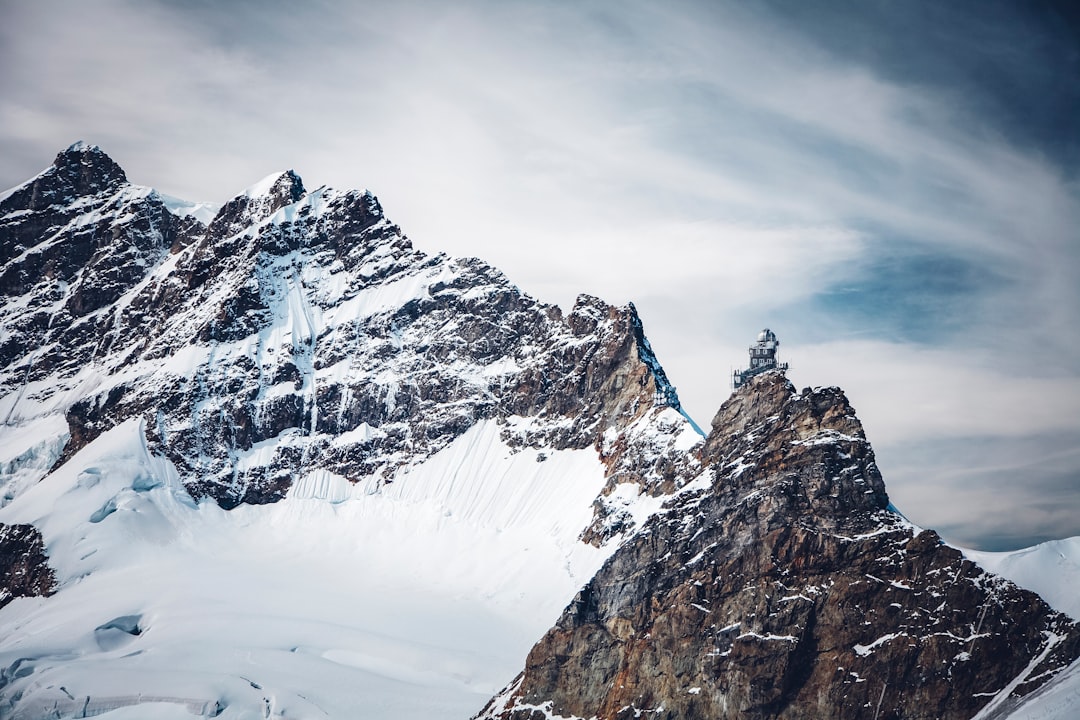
<point>890,186</point>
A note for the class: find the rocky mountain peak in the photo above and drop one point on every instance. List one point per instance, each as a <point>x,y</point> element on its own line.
<point>774,583</point>
<point>258,202</point>
<point>88,170</point>
<point>282,187</point>
<point>308,316</point>
<point>766,426</point>
<point>80,170</point>
<point>73,239</point>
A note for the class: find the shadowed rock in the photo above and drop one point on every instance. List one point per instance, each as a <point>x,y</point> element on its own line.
<point>24,568</point>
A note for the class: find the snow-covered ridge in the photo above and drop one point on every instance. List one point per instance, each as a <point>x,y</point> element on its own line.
<point>1051,569</point>
<point>264,186</point>
<point>204,212</point>
<point>80,146</point>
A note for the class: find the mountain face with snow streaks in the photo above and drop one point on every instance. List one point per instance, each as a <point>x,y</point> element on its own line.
<point>284,464</point>
<point>302,320</point>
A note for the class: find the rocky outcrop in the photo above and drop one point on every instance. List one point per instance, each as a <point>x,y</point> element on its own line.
<point>777,584</point>
<point>24,568</point>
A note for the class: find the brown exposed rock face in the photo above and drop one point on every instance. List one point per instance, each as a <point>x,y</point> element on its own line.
<point>24,569</point>
<point>777,584</point>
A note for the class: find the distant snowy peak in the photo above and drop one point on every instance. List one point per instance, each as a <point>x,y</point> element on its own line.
<point>273,185</point>
<point>204,212</point>
<point>258,202</point>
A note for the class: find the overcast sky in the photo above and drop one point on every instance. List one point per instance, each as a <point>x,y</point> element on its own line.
<point>890,186</point>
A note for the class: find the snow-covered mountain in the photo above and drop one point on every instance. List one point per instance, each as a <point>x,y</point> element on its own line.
<point>282,464</point>
<point>285,462</point>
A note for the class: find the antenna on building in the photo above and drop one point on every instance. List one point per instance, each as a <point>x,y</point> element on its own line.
<point>763,357</point>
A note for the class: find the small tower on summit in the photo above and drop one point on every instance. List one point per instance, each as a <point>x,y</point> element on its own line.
<point>763,356</point>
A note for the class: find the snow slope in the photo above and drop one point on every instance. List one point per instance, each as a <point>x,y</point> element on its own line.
<point>1051,569</point>
<point>1059,700</point>
<point>339,601</point>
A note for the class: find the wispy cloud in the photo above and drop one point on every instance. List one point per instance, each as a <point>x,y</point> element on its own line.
<point>719,164</point>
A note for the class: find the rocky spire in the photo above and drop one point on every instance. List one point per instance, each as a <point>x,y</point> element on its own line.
<point>72,240</point>
<point>777,585</point>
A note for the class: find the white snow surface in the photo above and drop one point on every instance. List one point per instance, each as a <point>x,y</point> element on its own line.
<point>1058,700</point>
<point>1051,569</point>
<point>204,212</point>
<point>415,600</point>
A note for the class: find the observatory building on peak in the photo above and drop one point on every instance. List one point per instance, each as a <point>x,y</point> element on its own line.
<point>763,356</point>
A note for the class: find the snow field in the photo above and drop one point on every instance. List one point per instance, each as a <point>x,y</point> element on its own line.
<point>417,599</point>
<point>1051,569</point>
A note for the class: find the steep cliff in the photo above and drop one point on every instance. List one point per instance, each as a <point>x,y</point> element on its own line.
<point>24,569</point>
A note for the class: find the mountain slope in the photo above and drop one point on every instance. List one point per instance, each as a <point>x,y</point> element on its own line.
<point>302,320</point>
<point>777,585</point>
<point>285,463</point>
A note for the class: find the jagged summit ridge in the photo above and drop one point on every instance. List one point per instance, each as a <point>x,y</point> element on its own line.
<point>777,585</point>
<point>258,202</point>
<point>293,318</point>
<point>79,170</point>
